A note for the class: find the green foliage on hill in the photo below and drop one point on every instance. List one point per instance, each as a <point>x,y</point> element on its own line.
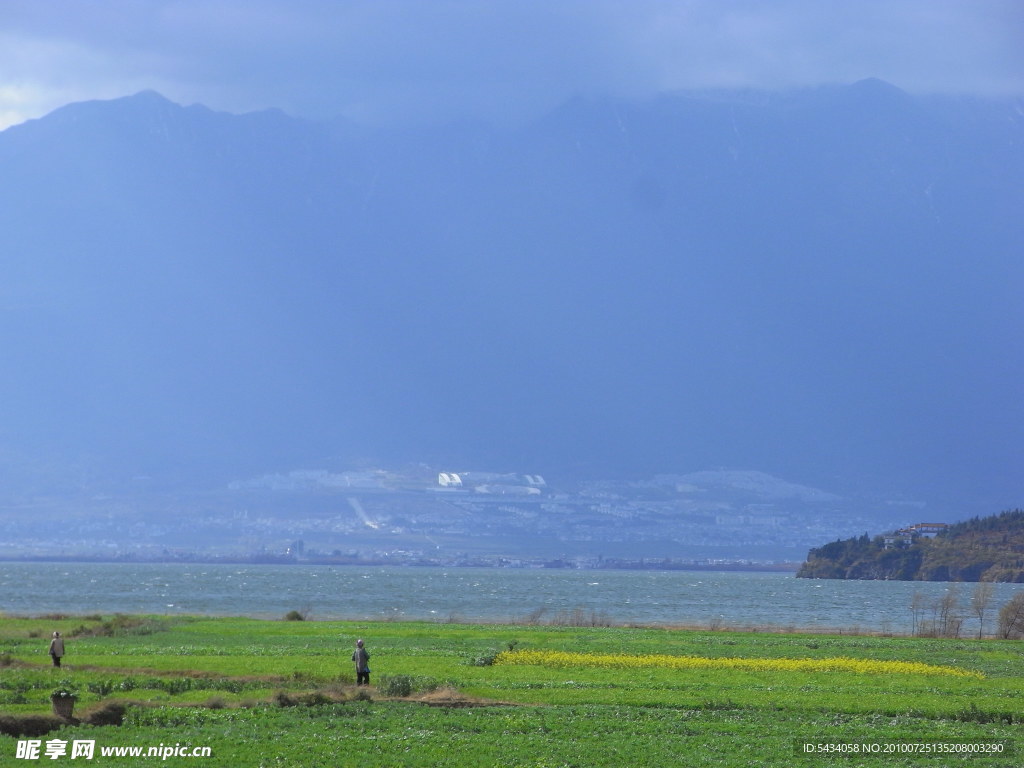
<point>981,549</point>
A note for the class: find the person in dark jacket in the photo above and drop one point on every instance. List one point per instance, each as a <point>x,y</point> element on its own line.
<point>56,648</point>
<point>361,657</point>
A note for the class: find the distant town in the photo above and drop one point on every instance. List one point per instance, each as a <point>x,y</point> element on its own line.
<point>717,519</point>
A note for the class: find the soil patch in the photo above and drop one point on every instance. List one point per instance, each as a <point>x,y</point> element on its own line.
<point>449,697</point>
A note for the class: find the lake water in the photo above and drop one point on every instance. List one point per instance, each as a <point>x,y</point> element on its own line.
<point>691,598</point>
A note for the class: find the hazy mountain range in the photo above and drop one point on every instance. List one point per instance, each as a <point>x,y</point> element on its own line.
<point>824,285</point>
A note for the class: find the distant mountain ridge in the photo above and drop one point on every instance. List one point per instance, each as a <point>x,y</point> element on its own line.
<point>823,284</point>
<point>758,484</point>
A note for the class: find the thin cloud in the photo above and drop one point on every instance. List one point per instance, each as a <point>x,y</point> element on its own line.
<point>404,60</point>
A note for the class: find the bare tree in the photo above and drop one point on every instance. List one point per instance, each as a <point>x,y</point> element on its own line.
<point>949,619</point>
<point>979,603</point>
<point>917,604</point>
<point>1011,618</point>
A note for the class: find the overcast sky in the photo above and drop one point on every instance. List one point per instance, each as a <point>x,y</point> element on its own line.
<point>430,60</point>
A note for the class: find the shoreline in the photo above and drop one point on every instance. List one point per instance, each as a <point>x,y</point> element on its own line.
<point>463,621</point>
<point>616,565</point>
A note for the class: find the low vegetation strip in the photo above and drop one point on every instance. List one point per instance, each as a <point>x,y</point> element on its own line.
<point>564,659</point>
<point>261,692</point>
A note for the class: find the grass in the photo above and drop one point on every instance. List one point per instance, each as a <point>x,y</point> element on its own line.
<point>281,693</point>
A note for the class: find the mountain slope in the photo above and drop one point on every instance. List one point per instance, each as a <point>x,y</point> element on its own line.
<point>823,285</point>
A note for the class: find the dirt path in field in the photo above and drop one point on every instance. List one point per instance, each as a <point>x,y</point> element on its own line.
<point>449,697</point>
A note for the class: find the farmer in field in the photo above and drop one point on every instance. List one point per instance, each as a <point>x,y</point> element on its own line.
<point>361,657</point>
<point>56,648</point>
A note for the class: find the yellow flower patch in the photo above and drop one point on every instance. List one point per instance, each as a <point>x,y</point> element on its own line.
<point>563,659</point>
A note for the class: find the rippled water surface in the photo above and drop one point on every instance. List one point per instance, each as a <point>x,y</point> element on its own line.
<point>472,594</point>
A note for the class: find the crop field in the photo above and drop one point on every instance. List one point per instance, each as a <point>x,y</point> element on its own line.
<point>282,693</point>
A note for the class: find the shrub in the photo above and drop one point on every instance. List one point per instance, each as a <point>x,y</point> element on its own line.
<point>100,687</point>
<point>282,699</point>
<point>976,715</point>
<point>294,616</point>
<point>484,660</point>
<point>315,699</point>
<point>487,659</point>
<point>405,685</point>
<point>110,713</point>
<point>395,685</point>
<point>581,617</point>
<point>29,725</point>
<point>121,626</point>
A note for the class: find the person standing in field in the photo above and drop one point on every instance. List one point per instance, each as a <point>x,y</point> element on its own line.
<point>361,657</point>
<point>56,648</point>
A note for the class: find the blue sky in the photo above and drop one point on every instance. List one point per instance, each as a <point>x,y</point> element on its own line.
<point>399,61</point>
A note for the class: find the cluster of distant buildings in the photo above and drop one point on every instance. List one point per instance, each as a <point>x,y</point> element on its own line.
<point>904,537</point>
<point>509,484</point>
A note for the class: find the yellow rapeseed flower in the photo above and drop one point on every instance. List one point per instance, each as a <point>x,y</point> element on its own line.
<point>566,659</point>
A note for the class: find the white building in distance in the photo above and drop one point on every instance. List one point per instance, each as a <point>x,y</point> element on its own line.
<point>449,480</point>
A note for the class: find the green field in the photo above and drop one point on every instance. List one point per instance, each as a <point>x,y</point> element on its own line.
<point>281,693</point>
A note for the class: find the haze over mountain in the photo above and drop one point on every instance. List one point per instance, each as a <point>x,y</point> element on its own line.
<point>824,285</point>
